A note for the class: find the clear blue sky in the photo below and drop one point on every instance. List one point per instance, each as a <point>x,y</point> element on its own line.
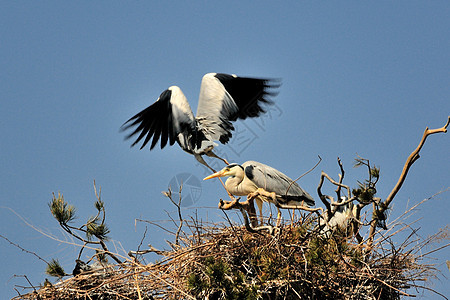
<point>357,79</point>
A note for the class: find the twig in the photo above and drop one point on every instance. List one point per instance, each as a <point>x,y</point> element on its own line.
<point>330,211</point>
<point>155,224</point>
<point>309,171</point>
<point>341,178</point>
<point>112,255</point>
<point>168,194</point>
<point>29,282</point>
<point>23,249</point>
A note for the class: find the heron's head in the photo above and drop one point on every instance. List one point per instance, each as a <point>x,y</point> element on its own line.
<point>230,170</point>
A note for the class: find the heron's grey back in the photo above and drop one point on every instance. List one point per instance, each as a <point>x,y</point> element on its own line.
<point>275,181</point>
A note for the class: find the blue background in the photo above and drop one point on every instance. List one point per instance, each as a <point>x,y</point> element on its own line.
<point>358,79</point>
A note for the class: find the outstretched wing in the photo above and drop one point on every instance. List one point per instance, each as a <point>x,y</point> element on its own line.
<point>165,119</point>
<point>225,98</point>
<point>273,180</point>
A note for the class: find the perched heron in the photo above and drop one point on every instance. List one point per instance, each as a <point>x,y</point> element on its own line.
<point>223,99</point>
<point>263,183</point>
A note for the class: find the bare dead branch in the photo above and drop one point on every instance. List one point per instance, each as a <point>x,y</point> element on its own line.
<point>341,178</point>
<point>23,249</point>
<point>414,156</point>
<point>322,197</point>
<point>329,210</point>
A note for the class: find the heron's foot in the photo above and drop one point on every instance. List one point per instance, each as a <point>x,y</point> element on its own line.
<point>252,196</point>
<point>226,205</point>
<point>200,159</point>
<point>264,193</point>
<point>302,207</point>
<point>212,154</point>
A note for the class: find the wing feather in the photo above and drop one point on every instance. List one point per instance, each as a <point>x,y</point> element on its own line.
<point>149,134</point>
<point>225,98</point>
<point>273,180</point>
<point>163,120</point>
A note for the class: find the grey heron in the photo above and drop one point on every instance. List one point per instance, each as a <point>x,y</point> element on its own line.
<point>264,183</point>
<point>223,99</point>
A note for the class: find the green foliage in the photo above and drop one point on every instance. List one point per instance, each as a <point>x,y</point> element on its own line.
<point>327,254</point>
<point>220,282</point>
<point>366,190</point>
<point>61,210</point>
<point>65,213</point>
<point>217,271</point>
<point>95,228</point>
<point>271,266</point>
<point>99,205</point>
<point>196,285</point>
<point>380,218</point>
<point>319,253</point>
<point>55,269</point>
<point>375,172</point>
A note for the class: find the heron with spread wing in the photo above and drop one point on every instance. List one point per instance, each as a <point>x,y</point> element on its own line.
<point>223,99</point>
<point>264,183</point>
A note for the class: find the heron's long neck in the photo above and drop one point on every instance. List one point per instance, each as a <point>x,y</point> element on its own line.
<point>234,186</point>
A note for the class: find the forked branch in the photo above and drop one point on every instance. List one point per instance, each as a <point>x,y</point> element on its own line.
<point>412,158</point>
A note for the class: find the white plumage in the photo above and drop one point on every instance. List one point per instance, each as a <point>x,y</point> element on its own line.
<point>341,219</point>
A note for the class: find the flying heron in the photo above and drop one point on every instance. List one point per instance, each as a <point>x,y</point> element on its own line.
<point>223,99</point>
<point>263,183</point>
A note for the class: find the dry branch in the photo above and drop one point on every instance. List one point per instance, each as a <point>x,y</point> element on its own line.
<point>413,157</point>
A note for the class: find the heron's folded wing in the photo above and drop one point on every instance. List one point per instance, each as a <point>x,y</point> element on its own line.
<point>225,98</point>
<point>275,181</point>
<point>164,119</point>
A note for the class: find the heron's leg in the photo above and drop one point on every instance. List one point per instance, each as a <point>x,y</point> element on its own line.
<point>255,196</point>
<point>252,212</point>
<point>212,154</point>
<point>262,192</point>
<point>260,207</point>
<point>278,217</point>
<point>200,159</point>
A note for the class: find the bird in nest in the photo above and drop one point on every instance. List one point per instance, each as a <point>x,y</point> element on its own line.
<point>263,183</point>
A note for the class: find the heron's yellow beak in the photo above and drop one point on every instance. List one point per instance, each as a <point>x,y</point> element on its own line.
<point>221,173</point>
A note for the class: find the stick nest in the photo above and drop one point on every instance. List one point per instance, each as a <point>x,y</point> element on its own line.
<point>229,262</point>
